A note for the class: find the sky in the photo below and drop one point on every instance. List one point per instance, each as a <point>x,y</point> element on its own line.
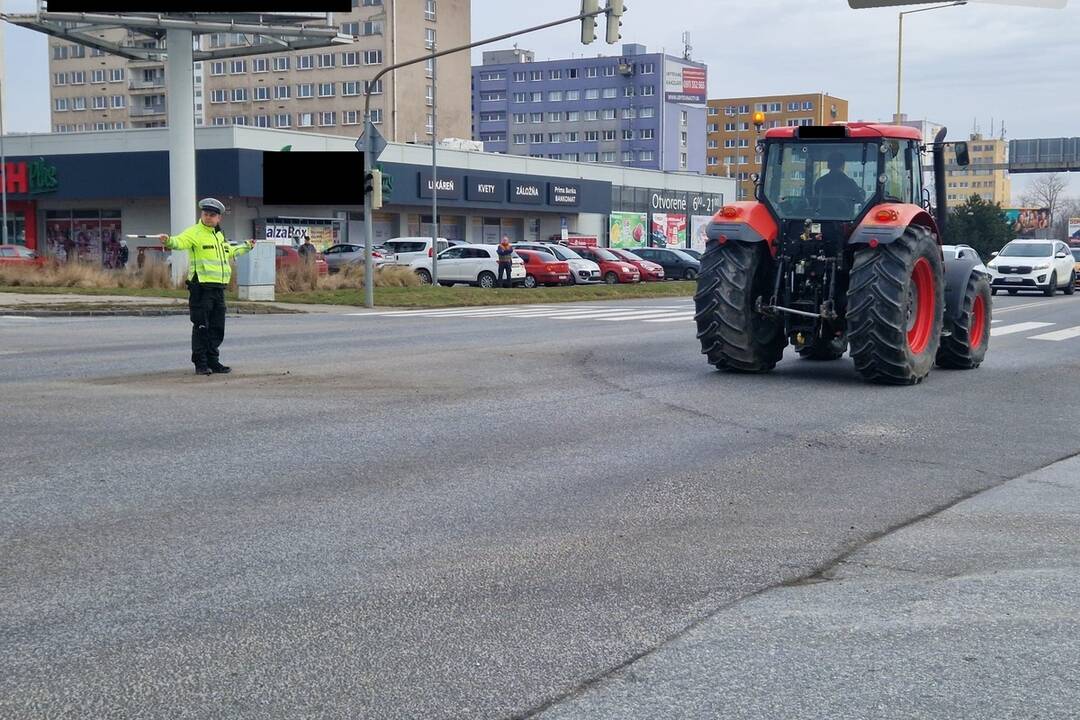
<point>964,66</point>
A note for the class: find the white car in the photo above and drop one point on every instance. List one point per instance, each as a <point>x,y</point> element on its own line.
<point>474,264</point>
<point>407,249</point>
<point>965,252</point>
<point>581,270</point>
<point>1043,265</point>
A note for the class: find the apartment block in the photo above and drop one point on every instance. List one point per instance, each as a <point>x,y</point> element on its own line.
<point>732,138</point>
<point>321,90</point>
<point>990,184</point>
<point>636,109</point>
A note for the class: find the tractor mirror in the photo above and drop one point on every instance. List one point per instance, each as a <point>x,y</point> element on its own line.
<point>962,157</point>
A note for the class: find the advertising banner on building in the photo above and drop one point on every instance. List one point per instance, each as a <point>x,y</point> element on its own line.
<point>1074,231</point>
<point>1028,222</point>
<point>627,230</point>
<point>684,83</point>
<point>668,230</point>
<point>698,225</point>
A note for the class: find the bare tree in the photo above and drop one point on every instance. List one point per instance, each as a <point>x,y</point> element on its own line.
<point>1067,208</point>
<point>1045,192</point>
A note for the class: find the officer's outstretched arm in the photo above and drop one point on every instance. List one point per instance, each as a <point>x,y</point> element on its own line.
<point>183,241</point>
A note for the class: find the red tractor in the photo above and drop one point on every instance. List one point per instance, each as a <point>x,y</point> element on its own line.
<point>841,250</point>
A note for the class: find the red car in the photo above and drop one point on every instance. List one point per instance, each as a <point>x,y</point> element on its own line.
<point>543,268</point>
<point>286,256</point>
<point>650,271</point>
<point>20,256</point>
<point>613,269</point>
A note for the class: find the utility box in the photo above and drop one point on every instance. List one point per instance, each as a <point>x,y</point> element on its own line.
<point>255,272</point>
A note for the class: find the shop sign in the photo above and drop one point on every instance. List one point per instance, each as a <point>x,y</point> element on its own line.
<point>33,178</point>
<point>447,188</point>
<point>668,203</point>
<point>530,193</point>
<point>482,189</point>
<point>563,194</point>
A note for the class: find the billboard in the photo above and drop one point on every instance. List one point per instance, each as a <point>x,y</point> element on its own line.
<point>1028,222</point>
<point>1074,231</point>
<point>684,83</point>
<point>627,230</point>
<point>699,224</point>
<point>668,230</point>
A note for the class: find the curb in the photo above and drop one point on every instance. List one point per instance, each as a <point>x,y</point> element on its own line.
<point>133,312</point>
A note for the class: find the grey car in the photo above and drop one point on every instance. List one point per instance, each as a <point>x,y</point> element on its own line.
<point>338,256</point>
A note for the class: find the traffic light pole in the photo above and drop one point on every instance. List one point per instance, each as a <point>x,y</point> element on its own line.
<point>369,127</point>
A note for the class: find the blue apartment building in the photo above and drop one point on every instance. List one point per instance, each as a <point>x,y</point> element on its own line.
<point>637,109</point>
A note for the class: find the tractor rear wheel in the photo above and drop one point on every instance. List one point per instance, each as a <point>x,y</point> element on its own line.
<point>966,347</point>
<point>824,349</point>
<point>733,334</point>
<point>896,301</point>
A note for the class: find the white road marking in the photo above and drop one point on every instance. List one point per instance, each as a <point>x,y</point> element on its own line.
<point>1017,328</point>
<point>1059,335</point>
<point>1011,308</point>
<point>17,317</point>
<point>640,316</point>
<point>675,318</point>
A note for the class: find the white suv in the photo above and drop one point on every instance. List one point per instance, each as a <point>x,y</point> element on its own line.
<point>1044,265</point>
<point>471,263</point>
<point>581,270</point>
<point>407,249</point>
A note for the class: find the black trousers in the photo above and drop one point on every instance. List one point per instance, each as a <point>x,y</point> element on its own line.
<point>504,268</point>
<point>206,306</point>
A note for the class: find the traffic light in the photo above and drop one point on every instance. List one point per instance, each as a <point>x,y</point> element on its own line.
<point>588,24</point>
<point>614,10</point>
<point>373,187</point>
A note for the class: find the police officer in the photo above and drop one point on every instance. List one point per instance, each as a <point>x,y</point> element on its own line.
<point>208,275</point>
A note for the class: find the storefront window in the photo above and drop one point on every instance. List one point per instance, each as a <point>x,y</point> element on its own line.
<point>87,236</point>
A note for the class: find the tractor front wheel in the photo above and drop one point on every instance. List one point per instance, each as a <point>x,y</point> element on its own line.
<point>966,347</point>
<point>896,302</point>
<point>733,334</point>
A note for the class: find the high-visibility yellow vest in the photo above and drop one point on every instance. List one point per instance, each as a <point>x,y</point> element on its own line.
<point>208,253</point>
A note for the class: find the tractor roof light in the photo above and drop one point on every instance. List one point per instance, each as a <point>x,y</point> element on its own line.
<point>759,118</point>
<point>886,215</point>
<point>731,212</point>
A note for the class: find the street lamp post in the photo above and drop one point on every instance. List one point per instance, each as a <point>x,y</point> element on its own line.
<point>434,182</point>
<point>900,47</point>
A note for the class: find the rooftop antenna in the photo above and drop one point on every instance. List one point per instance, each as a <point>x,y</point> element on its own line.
<point>687,47</point>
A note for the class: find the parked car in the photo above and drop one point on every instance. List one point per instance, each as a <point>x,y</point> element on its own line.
<point>696,254</point>
<point>474,264</point>
<point>407,249</point>
<point>543,268</point>
<point>965,252</point>
<point>18,255</point>
<point>343,254</point>
<point>612,268</point>
<point>1044,265</point>
<point>650,271</point>
<point>1076,267</point>
<point>581,270</point>
<point>677,264</point>
<point>285,256</point>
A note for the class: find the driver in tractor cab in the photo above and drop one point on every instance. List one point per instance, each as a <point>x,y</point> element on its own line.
<point>835,184</point>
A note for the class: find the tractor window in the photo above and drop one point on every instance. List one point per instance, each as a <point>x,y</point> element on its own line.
<point>822,180</point>
<point>898,173</point>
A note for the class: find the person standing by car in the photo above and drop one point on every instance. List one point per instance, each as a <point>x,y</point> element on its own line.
<point>307,250</point>
<point>506,259</point>
<point>208,275</point>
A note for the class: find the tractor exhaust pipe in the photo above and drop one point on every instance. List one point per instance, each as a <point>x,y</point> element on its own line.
<point>941,208</point>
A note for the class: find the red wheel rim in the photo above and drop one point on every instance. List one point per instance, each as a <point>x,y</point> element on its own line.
<point>978,322</point>
<point>920,306</point>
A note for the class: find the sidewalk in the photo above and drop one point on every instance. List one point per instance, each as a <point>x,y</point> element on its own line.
<point>76,304</point>
<point>971,613</point>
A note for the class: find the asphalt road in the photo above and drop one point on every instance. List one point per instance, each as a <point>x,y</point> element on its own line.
<point>467,514</point>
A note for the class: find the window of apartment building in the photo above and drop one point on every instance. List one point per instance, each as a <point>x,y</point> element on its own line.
<point>429,38</point>
<point>555,75</point>
<point>646,156</point>
<point>592,136</point>
<point>792,106</point>
<point>744,159</point>
<point>572,157</point>
<point>99,102</point>
<point>221,120</point>
<point>572,95</point>
<point>684,117</point>
<point>608,114</point>
<point>713,111</point>
<point>492,117</point>
<point>590,72</point>
<point>261,65</point>
<point>493,96</point>
<point>536,138</point>
<point>519,76</point>
<point>368,3</point>
<point>376,116</point>
<point>592,94</point>
<point>555,96</point>
<point>610,93</point>
<point>609,71</point>
<point>519,139</point>
<point>536,97</point>
<point>305,90</point>
<point>806,121</point>
<point>281,92</point>
<point>281,63</point>
<point>647,112</point>
<point>326,60</point>
<point>350,28</point>
<point>326,89</point>
<point>646,134</point>
<point>591,157</point>
<point>712,161</point>
<point>350,59</point>
<point>350,117</point>
<point>494,75</point>
<point>712,144</point>
<point>237,67</point>
<point>807,105</point>
<point>373,57</point>
<point>60,105</point>
<point>519,118</point>
<point>743,142</point>
<point>217,96</point>
<point>729,160</point>
<point>217,40</point>
<point>629,113</point>
<point>95,52</point>
<point>744,126</point>
<point>305,119</point>
<point>555,117</point>
<point>217,67</point>
<point>555,156</point>
<point>78,51</point>
<point>429,9</point>
<point>648,68</point>
<point>429,95</point>
<point>591,115</point>
<point>554,137</point>
<point>60,79</point>
<point>793,123</point>
<point>119,101</point>
<point>371,27</point>
<point>607,135</point>
<point>327,119</point>
<point>573,115</point>
<point>262,92</point>
<point>239,120</point>
<point>373,88</point>
<point>571,74</point>
<point>77,78</point>
<point>97,76</point>
<point>60,52</point>
<point>743,109</point>
<point>712,127</point>
<point>520,97</point>
<point>536,75</point>
<point>682,139</point>
<point>772,124</point>
<point>262,121</point>
<point>239,94</point>
<point>730,143</point>
<point>282,120</point>
<point>628,91</point>
<point>305,62</point>
<point>627,134</point>
<point>571,137</point>
<point>608,157</point>
<point>648,90</point>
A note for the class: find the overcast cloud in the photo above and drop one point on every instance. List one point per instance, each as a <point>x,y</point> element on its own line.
<point>962,65</point>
